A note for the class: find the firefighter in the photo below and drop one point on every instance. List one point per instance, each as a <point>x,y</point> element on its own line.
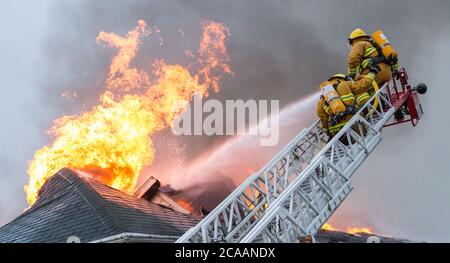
<point>335,111</point>
<point>363,54</point>
<point>359,87</point>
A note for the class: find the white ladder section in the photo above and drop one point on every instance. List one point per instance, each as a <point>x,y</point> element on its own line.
<point>294,194</point>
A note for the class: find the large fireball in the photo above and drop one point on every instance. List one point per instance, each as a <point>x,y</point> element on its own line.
<point>112,141</point>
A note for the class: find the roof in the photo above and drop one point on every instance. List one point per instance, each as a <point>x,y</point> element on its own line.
<point>207,194</point>
<point>70,204</point>
<point>327,236</point>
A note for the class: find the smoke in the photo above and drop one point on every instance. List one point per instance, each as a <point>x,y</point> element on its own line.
<point>242,155</point>
<point>279,50</point>
<point>19,109</point>
<point>270,51</point>
<point>402,189</point>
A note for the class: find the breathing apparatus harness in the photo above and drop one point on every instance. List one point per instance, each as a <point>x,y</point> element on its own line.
<point>334,119</point>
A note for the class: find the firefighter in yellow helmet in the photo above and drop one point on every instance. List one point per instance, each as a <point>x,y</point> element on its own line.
<point>363,54</point>
<point>352,94</point>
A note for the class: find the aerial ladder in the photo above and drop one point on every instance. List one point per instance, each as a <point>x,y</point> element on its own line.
<point>295,193</point>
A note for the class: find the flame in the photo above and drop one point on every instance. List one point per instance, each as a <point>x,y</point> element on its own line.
<point>213,53</point>
<point>349,230</point>
<point>329,227</point>
<point>121,76</point>
<point>186,205</point>
<point>359,230</point>
<point>112,141</point>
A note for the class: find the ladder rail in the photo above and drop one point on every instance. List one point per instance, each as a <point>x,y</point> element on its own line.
<point>272,178</point>
<point>293,214</point>
<point>242,210</point>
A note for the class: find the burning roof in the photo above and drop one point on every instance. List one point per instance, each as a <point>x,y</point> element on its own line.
<point>113,139</point>
<point>70,204</point>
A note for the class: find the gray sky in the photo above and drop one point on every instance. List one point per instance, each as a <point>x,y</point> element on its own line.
<point>22,27</point>
<point>402,189</point>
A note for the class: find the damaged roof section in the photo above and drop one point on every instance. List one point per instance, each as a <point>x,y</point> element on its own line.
<point>73,205</point>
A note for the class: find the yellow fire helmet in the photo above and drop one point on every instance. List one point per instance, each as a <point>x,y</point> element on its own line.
<point>339,76</point>
<point>357,33</point>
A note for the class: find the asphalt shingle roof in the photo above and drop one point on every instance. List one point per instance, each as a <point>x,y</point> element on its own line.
<point>74,205</point>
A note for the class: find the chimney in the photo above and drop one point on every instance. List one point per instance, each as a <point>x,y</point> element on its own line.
<point>148,189</point>
<point>150,192</point>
